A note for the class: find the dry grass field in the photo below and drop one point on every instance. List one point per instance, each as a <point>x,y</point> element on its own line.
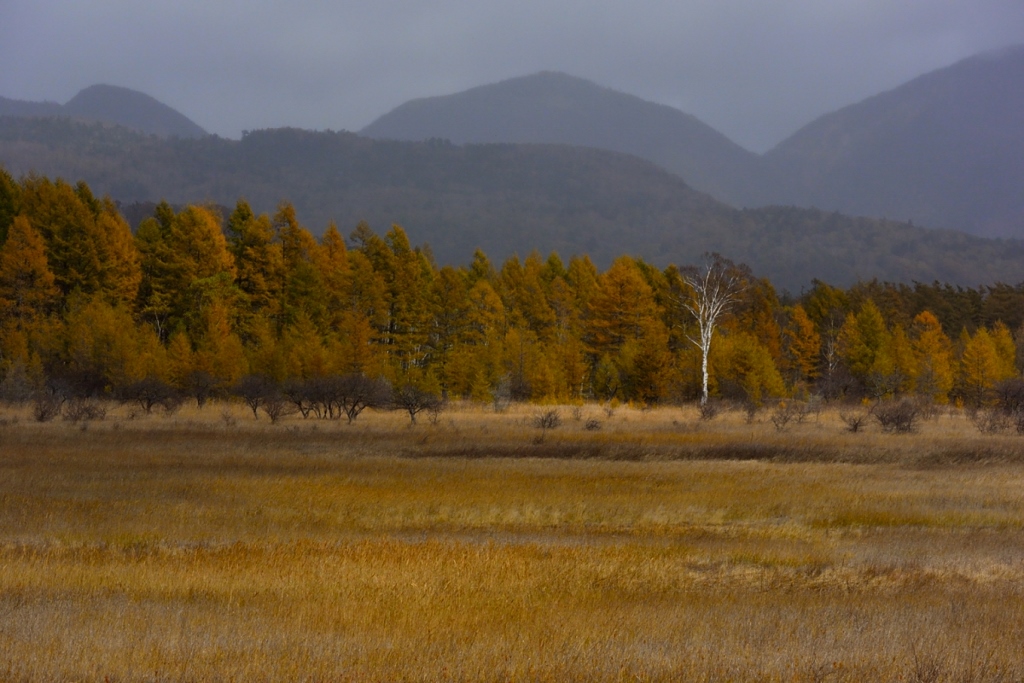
<point>207,546</point>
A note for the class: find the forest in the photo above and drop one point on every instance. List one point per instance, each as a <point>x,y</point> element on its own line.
<point>197,305</point>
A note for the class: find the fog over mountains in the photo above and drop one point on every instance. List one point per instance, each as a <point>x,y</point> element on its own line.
<point>944,150</point>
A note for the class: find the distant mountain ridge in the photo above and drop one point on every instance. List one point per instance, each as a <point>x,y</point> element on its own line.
<point>112,104</point>
<point>552,107</point>
<point>943,150</point>
<point>502,198</point>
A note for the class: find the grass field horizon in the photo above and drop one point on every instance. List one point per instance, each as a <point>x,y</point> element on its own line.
<point>206,545</point>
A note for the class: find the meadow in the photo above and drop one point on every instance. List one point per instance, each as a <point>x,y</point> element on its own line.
<point>205,545</point>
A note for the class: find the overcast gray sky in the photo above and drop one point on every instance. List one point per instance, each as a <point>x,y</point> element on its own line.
<point>754,69</point>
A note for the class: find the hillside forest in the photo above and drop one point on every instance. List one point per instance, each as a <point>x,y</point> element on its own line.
<point>201,304</point>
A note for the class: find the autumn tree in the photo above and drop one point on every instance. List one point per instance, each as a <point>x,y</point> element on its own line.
<point>88,243</point>
<point>27,287</point>
<point>336,275</point>
<point>102,349</point>
<point>185,264</point>
<point>745,369</point>
<point>802,345</point>
<point>258,263</point>
<point>448,301</point>
<point>407,276</point>
<point>865,346</point>
<point>933,356</point>
<point>27,294</point>
<point>10,202</point>
<point>524,294</point>
<point>362,320</point>
<point>827,307</point>
<point>475,366</point>
<point>302,287</point>
<point>624,328</point>
<point>980,367</point>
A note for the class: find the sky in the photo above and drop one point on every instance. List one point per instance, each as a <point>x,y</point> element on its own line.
<point>756,70</point>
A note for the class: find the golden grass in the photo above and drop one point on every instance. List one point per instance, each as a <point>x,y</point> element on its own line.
<point>209,546</point>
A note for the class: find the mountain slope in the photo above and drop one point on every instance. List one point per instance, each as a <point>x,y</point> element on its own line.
<point>552,107</point>
<point>112,104</point>
<point>501,198</point>
<point>945,149</point>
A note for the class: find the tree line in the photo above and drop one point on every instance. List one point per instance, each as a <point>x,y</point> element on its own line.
<point>199,304</point>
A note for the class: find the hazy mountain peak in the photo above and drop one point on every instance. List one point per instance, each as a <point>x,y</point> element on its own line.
<point>132,109</point>
<point>112,104</point>
<point>553,107</point>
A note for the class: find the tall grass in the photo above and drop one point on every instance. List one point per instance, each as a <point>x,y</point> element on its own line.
<point>194,547</point>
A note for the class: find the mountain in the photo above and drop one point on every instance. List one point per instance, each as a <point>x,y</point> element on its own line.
<point>112,104</point>
<point>503,198</point>
<point>945,149</point>
<point>551,107</point>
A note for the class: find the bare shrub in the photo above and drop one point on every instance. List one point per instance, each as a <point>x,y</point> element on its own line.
<point>303,396</point>
<point>357,392</point>
<point>84,410</point>
<point>750,410</point>
<point>321,395</point>
<point>577,413</point>
<point>854,421</point>
<point>203,387</point>
<point>46,406</point>
<point>414,400</point>
<point>173,403</point>
<point>709,411</point>
<point>550,419</point>
<point>435,411</point>
<point>592,425</point>
<point>786,412</point>
<point>1009,398</point>
<point>254,390</point>
<point>276,406</point>
<point>149,393</point>
<point>1009,395</point>
<point>16,386</point>
<point>897,417</point>
<point>990,421</point>
<point>545,421</point>
<point>810,408</point>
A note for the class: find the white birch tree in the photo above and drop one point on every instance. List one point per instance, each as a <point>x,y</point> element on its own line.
<point>708,292</point>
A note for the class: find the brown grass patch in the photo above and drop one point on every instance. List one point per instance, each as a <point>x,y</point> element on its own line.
<point>192,547</point>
